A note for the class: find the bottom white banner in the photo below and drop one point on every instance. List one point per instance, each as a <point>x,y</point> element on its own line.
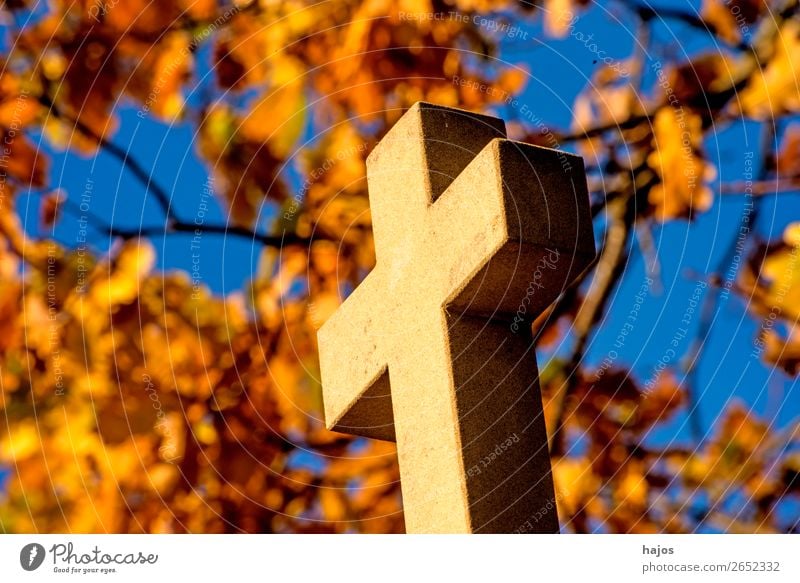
<point>390,558</point>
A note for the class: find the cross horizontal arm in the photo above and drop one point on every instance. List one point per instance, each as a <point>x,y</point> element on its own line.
<point>353,365</point>
<point>517,225</point>
<point>416,161</point>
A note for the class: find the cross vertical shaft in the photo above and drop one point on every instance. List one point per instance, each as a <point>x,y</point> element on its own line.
<point>474,236</point>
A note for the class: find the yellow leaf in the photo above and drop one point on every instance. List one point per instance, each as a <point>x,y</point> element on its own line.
<point>557,17</point>
<point>20,442</point>
<point>677,137</point>
<point>633,488</point>
<point>205,432</point>
<point>791,235</point>
<point>121,284</point>
<point>719,16</point>
<point>332,504</point>
<point>781,270</point>
<point>775,89</point>
<point>574,483</point>
<point>277,119</point>
<point>322,307</point>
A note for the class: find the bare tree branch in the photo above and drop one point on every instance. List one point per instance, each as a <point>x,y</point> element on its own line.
<point>761,187</point>
<point>136,168</point>
<point>610,268</point>
<point>709,311</point>
<point>648,12</point>
<point>225,230</point>
<point>172,223</point>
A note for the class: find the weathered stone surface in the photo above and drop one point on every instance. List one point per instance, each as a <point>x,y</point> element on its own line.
<point>475,235</point>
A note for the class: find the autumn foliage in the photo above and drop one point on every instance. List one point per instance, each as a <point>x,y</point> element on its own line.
<point>134,400</point>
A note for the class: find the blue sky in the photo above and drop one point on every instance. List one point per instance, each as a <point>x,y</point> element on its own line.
<point>559,69</point>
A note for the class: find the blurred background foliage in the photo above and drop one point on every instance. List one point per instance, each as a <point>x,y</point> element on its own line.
<point>135,399</point>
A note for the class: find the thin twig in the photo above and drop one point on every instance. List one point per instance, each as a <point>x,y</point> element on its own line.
<point>172,223</point>
<point>761,187</point>
<point>136,168</point>
<point>709,310</point>
<point>707,100</point>
<point>648,12</point>
<point>225,230</point>
<point>609,271</point>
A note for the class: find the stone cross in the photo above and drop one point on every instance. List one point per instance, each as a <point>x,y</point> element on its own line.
<point>475,235</point>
